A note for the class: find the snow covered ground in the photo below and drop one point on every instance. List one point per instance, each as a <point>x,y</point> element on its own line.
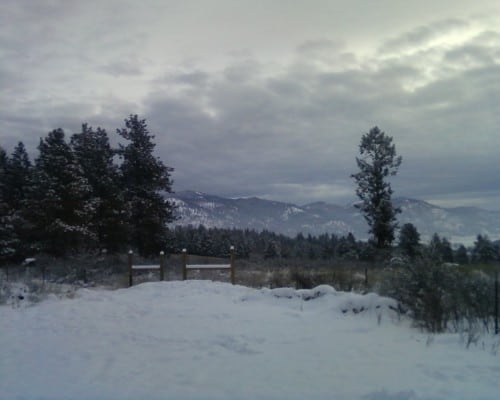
<point>207,340</point>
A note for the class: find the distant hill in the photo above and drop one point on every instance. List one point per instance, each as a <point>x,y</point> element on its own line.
<point>459,225</point>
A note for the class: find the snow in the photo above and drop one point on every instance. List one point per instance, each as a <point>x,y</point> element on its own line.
<point>290,211</point>
<point>207,204</point>
<point>155,266</point>
<point>208,266</point>
<point>208,340</point>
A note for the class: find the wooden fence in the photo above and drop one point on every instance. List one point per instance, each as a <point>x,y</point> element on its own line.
<point>132,267</point>
<point>207,267</point>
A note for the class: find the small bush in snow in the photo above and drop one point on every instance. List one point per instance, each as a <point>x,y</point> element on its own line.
<point>442,297</point>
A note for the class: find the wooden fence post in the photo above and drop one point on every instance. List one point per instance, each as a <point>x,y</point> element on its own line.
<point>184,264</point>
<point>231,250</point>
<point>130,256</point>
<point>496,301</point>
<point>162,265</point>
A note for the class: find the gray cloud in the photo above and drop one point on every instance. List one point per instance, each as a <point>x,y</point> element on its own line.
<point>295,134</point>
<point>287,128</point>
<point>423,35</point>
<point>118,68</point>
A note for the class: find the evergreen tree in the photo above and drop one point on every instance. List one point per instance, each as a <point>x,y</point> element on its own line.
<point>145,180</point>
<point>18,171</point>
<point>327,246</point>
<point>461,255</point>
<point>3,166</point>
<point>409,240</point>
<point>446,251</point>
<point>58,197</point>
<point>484,250</point>
<point>311,252</point>
<point>300,246</point>
<point>378,161</point>
<point>367,252</point>
<point>18,178</point>
<point>3,179</point>
<point>95,156</point>
<point>271,250</point>
<point>440,249</point>
<point>347,248</point>
<point>8,239</point>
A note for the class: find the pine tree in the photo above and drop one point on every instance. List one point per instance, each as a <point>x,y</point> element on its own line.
<point>95,157</point>
<point>3,178</point>
<point>58,197</point>
<point>378,161</point>
<point>145,179</point>
<point>484,250</point>
<point>272,250</point>
<point>446,251</point>
<point>461,255</point>
<point>327,245</point>
<point>347,248</point>
<point>409,240</point>
<point>440,249</point>
<point>18,171</point>
<point>18,179</point>
<point>8,239</point>
<point>434,248</point>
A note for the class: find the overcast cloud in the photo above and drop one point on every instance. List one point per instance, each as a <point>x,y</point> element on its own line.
<point>268,98</point>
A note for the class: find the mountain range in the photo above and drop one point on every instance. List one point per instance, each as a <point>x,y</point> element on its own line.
<point>459,225</point>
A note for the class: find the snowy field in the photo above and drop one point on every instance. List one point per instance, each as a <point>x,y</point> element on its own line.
<point>207,340</point>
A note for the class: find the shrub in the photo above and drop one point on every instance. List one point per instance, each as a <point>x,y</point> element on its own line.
<point>442,297</point>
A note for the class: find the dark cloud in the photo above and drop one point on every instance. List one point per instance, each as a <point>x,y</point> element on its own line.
<point>288,128</point>
<point>193,78</point>
<point>294,135</point>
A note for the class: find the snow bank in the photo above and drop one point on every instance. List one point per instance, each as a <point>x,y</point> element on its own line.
<point>206,340</point>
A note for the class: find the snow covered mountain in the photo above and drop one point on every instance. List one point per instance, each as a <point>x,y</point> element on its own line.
<point>459,225</point>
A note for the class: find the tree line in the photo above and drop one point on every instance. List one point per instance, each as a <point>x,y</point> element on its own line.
<point>81,193</point>
<point>328,246</point>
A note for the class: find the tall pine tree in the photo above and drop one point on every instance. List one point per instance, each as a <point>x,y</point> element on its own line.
<point>409,240</point>
<point>145,180</point>
<point>18,173</point>
<point>58,198</point>
<point>95,157</point>
<point>376,163</point>
<point>484,250</point>
<point>18,179</point>
<point>8,239</point>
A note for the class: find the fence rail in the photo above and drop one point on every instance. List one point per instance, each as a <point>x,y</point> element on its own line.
<point>231,266</point>
<point>132,267</point>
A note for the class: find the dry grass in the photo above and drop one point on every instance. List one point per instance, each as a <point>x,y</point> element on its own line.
<point>112,271</point>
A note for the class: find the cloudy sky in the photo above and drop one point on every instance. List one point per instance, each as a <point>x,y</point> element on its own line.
<point>268,97</point>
